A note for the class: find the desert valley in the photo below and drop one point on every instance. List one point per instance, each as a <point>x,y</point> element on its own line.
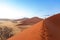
<point>27,28</point>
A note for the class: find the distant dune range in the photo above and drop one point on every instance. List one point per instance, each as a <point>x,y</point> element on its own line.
<point>31,21</point>
<point>47,29</point>
<point>17,25</point>
<point>27,22</point>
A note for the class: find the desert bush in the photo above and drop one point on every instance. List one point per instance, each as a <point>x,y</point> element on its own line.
<point>5,32</point>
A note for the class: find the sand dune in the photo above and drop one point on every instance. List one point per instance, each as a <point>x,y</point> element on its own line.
<point>31,21</point>
<point>48,29</point>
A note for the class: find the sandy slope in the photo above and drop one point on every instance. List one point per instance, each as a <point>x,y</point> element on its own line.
<point>48,29</point>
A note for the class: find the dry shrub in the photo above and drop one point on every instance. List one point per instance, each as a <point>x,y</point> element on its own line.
<point>5,32</point>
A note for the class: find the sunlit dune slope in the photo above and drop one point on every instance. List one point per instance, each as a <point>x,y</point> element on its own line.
<point>44,30</point>
<point>32,33</point>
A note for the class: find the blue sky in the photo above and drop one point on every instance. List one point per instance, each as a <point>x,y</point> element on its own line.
<point>28,8</point>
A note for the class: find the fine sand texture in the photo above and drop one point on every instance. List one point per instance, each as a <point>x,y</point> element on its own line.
<point>47,29</point>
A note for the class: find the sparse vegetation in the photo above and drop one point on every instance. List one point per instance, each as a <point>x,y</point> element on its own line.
<point>5,33</point>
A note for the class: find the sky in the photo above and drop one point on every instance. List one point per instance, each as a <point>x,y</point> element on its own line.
<point>15,9</point>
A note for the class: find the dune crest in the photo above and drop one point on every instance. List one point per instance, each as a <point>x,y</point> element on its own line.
<point>44,30</point>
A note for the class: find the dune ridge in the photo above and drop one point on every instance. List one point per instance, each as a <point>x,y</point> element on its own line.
<point>47,29</point>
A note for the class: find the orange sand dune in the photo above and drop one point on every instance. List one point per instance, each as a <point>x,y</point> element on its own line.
<point>44,30</point>
<point>55,19</point>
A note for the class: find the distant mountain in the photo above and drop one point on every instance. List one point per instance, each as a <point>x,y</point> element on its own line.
<point>4,19</point>
<point>22,19</point>
<point>30,21</point>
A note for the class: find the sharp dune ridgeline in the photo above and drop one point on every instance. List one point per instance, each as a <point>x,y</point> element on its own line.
<point>47,29</point>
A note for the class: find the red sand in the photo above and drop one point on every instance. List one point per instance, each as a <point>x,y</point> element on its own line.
<point>44,30</point>
<point>55,19</point>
